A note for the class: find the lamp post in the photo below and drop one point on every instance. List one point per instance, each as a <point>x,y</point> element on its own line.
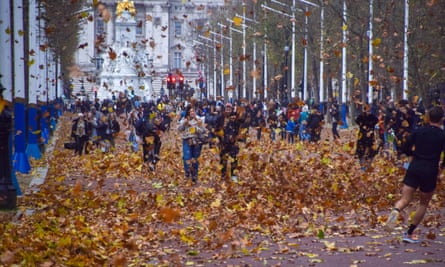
<point>286,70</point>
<point>213,41</point>
<point>244,18</point>
<point>230,52</point>
<point>265,67</point>
<point>231,62</point>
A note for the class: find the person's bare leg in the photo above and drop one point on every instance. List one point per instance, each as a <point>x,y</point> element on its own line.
<point>407,196</point>
<point>425,199</point>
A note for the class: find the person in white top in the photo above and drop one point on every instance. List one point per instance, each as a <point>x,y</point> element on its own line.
<point>192,128</point>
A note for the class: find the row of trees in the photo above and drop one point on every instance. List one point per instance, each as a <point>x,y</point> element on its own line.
<point>426,41</point>
<point>60,22</point>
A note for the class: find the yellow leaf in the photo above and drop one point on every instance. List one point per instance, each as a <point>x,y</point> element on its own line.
<point>199,215</point>
<point>216,203</point>
<point>64,241</point>
<point>226,71</point>
<point>179,200</point>
<point>159,199</point>
<point>192,252</point>
<point>245,251</point>
<point>237,21</point>
<point>376,42</point>
<point>2,105</point>
<point>345,27</point>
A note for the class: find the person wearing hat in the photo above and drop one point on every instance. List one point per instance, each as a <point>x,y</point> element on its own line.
<point>80,131</point>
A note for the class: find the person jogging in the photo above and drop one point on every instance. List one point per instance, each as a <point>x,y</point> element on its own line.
<point>425,146</point>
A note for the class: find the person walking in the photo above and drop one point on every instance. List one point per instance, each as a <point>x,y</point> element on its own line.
<point>303,134</point>
<point>191,127</point>
<point>229,148</point>
<point>80,130</point>
<point>335,116</point>
<point>291,127</point>
<point>150,127</point>
<point>425,146</point>
<point>315,122</point>
<point>112,129</point>
<point>365,150</point>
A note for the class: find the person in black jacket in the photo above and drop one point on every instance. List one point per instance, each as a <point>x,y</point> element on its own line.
<point>150,127</point>
<point>366,150</point>
<point>334,111</point>
<point>229,148</point>
<point>214,119</point>
<point>315,123</point>
<point>425,146</point>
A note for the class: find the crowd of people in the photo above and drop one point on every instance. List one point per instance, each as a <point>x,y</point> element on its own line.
<point>381,126</point>
<point>403,127</point>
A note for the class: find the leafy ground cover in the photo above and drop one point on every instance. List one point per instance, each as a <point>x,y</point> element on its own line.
<point>294,205</point>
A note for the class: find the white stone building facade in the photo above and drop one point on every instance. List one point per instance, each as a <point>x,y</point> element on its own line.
<point>168,29</point>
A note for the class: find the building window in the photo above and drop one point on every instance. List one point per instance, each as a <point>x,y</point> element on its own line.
<point>177,64</point>
<point>140,28</point>
<point>100,26</point>
<point>157,21</point>
<point>178,28</point>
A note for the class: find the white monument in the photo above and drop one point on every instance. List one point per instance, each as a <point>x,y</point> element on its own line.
<point>127,65</point>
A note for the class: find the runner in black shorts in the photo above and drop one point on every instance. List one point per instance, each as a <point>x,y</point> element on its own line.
<point>422,174</point>
<point>425,146</point>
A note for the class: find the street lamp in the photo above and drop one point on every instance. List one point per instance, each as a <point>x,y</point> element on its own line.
<point>265,67</point>
<point>286,70</point>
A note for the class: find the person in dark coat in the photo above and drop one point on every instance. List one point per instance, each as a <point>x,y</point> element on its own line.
<point>150,127</point>
<point>424,145</point>
<point>315,123</point>
<point>229,148</point>
<point>366,149</point>
<point>334,111</point>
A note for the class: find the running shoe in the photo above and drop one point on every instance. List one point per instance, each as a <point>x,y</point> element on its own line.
<point>391,221</point>
<point>413,239</point>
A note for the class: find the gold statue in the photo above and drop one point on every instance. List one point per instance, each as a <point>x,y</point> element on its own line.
<point>125,5</point>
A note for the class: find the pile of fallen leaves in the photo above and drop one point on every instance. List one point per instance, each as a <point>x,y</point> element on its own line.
<point>108,209</point>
